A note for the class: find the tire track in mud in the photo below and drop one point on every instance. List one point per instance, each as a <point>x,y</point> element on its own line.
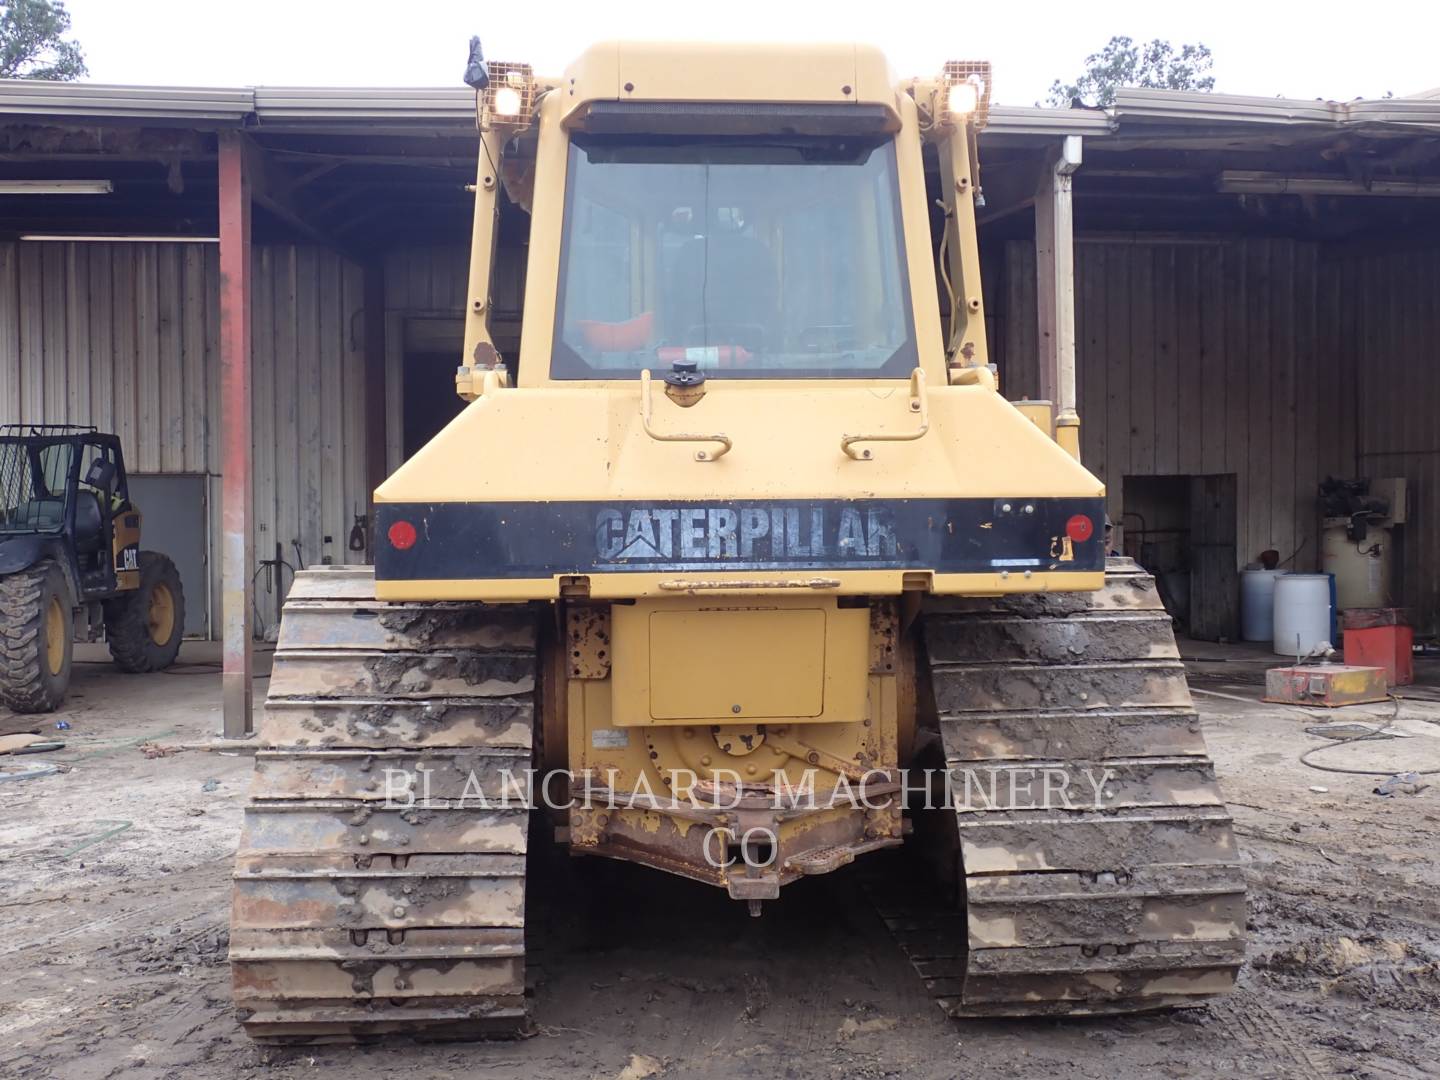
<point>213,898</point>
<point>1271,1036</point>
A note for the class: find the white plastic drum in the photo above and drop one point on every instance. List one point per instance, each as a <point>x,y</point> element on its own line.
<point>1302,613</point>
<point>1257,604</point>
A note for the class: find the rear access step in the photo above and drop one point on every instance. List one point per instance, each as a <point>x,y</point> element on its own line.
<point>356,915</point>
<point>1124,893</point>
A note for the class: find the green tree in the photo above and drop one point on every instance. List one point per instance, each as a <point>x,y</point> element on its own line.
<point>32,41</point>
<point>1156,65</point>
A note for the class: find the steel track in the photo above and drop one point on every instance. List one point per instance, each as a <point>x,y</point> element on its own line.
<point>355,916</point>
<point>1126,901</point>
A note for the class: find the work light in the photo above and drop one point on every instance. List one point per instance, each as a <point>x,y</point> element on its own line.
<point>966,96</point>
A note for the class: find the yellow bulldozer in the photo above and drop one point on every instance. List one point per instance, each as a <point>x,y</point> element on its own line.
<point>743,569</point>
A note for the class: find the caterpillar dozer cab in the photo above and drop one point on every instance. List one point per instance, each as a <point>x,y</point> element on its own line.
<point>71,567</point>
<point>747,570</point>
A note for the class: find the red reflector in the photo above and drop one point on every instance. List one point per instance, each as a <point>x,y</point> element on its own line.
<point>1079,528</point>
<point>402,535</point>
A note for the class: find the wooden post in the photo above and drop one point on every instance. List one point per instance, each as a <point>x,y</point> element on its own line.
<point>237,486</point>
<point>1055,271</point>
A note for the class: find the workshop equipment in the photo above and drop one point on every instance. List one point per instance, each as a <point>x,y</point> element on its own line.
<point>1357,541</point>
<point>1330,685</point>
<point>1303,617</point>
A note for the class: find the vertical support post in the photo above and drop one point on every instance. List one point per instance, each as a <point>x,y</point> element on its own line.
<point>394,347</point>
<point>376,436</point>
<point>237,486</point>
<point>1055,272</point>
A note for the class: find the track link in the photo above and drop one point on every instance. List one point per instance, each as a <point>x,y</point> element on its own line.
<point>355,915</point>
<point>1126,900</point>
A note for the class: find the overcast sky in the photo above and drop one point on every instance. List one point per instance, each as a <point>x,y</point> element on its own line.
<point>1306,50</point>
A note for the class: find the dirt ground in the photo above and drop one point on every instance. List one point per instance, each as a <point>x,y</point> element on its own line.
<point>113,911</point>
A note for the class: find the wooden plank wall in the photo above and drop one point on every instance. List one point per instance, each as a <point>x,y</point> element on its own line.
<point>1198,357</point>
<point>427,279</point>
<point>419,281</point>
<point>125,337</point>
<point>432,280</point>
<point>1381,313</point>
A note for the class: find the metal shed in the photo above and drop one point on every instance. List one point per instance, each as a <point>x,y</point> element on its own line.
<point>1233,287</point>
<point>1256,302</point>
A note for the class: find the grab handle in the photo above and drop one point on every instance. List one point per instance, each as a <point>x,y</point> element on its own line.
<point>646,409</point>
<point>918,404</point>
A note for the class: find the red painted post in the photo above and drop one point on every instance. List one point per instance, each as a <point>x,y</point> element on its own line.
<point>237,487</point>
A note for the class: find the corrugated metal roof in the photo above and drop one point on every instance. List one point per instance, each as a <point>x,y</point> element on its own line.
<point>1023,120</point>
<point>1206,112</point>
<point>287,104</point>
<point>1424,112</point>
<point>1185,106</point>
<point>37,96</point>
<point>1142,104</point>
<point>309,107</point>
<point>418,107</point>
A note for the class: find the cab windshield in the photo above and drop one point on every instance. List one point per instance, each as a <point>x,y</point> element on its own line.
<point>33,481</point>
<point>755,257</point>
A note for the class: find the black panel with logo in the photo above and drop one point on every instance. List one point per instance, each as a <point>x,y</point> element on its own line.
<point>462,541</point>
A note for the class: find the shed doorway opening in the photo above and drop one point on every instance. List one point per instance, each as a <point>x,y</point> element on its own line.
<point>432,350</point>
<point>1182,528</point>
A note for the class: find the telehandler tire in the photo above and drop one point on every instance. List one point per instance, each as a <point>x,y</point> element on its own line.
<point>36,633</point>
<point>144,627</point>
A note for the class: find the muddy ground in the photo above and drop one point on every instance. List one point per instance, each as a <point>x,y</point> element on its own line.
<point>113,908</point>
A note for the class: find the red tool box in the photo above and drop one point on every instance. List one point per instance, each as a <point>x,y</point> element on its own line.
<point>1379,637</point>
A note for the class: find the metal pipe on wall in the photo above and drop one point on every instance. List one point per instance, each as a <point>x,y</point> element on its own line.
<point>1055,270</point>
